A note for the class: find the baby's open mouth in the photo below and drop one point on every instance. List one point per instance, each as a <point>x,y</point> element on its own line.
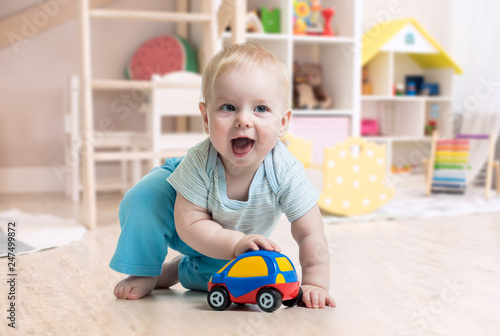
<point>242,146</point>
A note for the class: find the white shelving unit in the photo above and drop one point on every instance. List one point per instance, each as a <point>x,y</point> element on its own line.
<point>206,17</point>
<point>339,57</point>
<point>409,51</point>
<point>404,134</point>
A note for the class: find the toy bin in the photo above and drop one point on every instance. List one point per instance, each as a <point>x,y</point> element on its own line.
<point>369,127</point>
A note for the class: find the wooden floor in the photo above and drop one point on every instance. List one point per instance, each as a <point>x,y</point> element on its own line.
<point>436,276</point>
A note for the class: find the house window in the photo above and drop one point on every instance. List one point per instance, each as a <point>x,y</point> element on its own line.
<point>410,38</point>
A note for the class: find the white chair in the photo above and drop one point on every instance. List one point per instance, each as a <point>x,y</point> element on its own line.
<point>130,170</point>
<point>181,102</point>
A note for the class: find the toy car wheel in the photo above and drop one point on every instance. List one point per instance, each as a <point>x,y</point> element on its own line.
<point>218,298</point>
<point>296,301</point>
<point>269,299</point>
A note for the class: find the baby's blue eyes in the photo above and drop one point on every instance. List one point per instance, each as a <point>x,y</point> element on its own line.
<point>261,109</point>
<point>228,108</point>
<point>231,108</point>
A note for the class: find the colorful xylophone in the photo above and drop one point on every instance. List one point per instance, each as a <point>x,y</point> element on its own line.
<point>447,167</point>
<point>450,166</point>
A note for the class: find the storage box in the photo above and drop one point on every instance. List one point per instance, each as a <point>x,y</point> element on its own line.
<point>369,127</point>
<point>430,89</point>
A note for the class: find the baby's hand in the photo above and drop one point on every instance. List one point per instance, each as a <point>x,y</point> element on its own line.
<point>316,297</point>
<point>255,242</point>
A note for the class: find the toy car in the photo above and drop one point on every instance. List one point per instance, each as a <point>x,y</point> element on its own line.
<point>265,278</point>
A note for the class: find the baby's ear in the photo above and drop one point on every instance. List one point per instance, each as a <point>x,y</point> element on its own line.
<point>204,115</point>
<point>285,121</point>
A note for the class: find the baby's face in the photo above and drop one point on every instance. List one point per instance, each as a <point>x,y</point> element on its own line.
<point>245,115</point>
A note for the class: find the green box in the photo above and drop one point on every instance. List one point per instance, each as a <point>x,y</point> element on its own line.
<point>271,20</point>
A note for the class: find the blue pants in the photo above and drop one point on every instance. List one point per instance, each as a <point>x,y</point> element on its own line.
<point>148,230</point>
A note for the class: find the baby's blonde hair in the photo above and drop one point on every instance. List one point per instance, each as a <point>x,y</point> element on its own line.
<point>249,54</point>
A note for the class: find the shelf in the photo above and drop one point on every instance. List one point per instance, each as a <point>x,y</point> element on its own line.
<point>174,150</point>
<point>397,138</point>
<point>301,39</point>
<point>438,99</point>
<point>321,113</point>
<point>124,84</point>
<point>340,68</point>
<point>110,156</point>
<point>406,98</point>
<point>86,17</point>
<point>260,36</point>
<point>405,119</point>
<point>123,139</point>
<point>321,39</point>
<point>121,14</point>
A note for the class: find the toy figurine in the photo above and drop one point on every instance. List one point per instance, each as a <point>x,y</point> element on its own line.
<point>265,278</point>
<point>309,92</point>
<point>271,20</point>
<point>327,15</point>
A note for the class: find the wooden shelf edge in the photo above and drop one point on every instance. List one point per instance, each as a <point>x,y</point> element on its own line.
<point>295,38</point>
<point>108,156</point>
<point>395,138</point>
<point>406,98</point>
<point>322,39</point>
<point>124,84</point>
<point>322,113</point>
<point>122,14</point>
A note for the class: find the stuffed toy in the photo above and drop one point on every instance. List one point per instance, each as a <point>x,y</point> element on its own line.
<point>308,87</point>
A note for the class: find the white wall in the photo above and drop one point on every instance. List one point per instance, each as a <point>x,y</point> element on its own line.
<point>433,15</point>
<point>476,44</point>
<point>477,91</point>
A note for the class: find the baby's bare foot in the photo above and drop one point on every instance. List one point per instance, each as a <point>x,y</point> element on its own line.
<point>135,287</point>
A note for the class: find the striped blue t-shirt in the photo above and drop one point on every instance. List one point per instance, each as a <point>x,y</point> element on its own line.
<point>280,185</point>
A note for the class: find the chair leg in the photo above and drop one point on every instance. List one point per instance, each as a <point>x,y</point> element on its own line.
<point>490,165</point>
<point>430,165</point>
<point>496,167</point>
<point>426,163</point>
<point>487,185</point>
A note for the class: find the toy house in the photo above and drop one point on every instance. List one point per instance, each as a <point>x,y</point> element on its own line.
<point>409,76</point>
